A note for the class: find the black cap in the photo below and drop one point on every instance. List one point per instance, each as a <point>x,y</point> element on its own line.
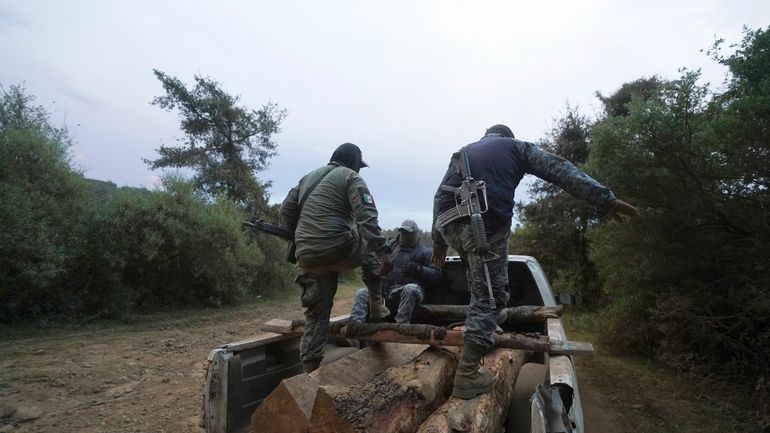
<point>349,155</point>
<point>500,129</point>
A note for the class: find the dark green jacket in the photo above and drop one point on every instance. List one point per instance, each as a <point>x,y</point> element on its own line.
<point>337,213</point>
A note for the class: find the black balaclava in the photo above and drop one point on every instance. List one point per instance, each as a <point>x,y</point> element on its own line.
<point>349,155</point>
<point>408,234</point>
<point>408,239</point>
<point>500,129</point>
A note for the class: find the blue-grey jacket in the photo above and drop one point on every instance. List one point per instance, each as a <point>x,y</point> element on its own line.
<point>400,256</point>
<point>502,162</point>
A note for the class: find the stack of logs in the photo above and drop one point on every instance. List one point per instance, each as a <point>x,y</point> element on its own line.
<point>390,388</point>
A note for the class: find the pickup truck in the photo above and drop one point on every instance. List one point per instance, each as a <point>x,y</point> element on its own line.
<point>545,398</point>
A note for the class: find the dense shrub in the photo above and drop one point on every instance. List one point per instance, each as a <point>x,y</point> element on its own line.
<point>41,200</point>
<point>165,249</point>
<point>72,248</point>
<point>691,276</point>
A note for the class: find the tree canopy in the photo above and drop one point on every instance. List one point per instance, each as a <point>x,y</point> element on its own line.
<point>225,144</point>
<point>688,281</point>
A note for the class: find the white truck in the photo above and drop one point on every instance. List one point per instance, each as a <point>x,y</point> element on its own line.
<point>545,397</point>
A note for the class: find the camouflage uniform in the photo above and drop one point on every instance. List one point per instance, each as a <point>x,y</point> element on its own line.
<point>501,162</point>
<point>402,292</point>
<point>336,229</point>
<point>403,299</point>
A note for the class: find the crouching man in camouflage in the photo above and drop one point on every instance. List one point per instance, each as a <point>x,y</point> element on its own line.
<point>500,161</point>
<point>404,286</point>
<point>335,226</point>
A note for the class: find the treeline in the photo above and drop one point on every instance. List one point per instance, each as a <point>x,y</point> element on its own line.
<point>78,249</point>
<point>688,281</point>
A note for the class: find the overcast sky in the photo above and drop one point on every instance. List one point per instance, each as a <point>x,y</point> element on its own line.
<point>408,81</point>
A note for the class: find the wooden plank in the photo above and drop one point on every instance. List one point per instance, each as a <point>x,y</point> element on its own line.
<point>435,336</point>
<point>519,314</point>
<point>281,326</point>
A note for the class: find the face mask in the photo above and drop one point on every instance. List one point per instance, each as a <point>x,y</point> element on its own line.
<point>408,239</point>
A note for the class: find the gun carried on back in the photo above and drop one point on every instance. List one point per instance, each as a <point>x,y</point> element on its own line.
<point>468,202</point>
<point>468,199</point>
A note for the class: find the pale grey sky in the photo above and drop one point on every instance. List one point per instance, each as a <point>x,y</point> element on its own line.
<point>408,81</point>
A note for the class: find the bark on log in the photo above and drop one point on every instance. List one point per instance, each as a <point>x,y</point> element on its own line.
<point>434,336</point>
<point>396,401</point>
<point>520,314</point>
<point>289,407</point>
<point>485,413</point>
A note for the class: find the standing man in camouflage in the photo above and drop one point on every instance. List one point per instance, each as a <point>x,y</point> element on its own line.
<point>500,161</point>
<point>334,219</point>
<point>404,286</point>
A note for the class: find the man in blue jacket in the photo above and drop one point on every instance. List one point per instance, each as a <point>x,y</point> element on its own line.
<point>404,286</point>
<point>500,161</point>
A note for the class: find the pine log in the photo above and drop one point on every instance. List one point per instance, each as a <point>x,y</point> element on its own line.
<point>289,407</point>
<point>395,401</point>
<point>487,412</point>
<point>434,336</point>
<point>520,314</point>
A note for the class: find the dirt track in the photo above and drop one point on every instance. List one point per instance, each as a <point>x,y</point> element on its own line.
<point>133,378</point>
<point>147,377</point>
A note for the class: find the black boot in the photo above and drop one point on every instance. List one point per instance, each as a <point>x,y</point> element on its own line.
<point>311,365</point>
<point>469,381</point>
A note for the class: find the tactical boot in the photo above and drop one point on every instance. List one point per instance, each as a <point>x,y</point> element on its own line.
<point>469,381</point>
<point>311,365</point>
<point>377,309</point>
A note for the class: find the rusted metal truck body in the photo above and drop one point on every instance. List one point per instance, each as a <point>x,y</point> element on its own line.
<point>546,398</point>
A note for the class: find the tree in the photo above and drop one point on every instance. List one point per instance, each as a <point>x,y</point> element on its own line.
<point>42,199</point>
<point>224,144</point>
<point>616,105</point>
<point>555,223</point>
<point>692,273</point>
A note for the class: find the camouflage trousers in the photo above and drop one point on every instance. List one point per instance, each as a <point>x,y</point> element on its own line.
<point>402,299</point>
<point>319,285</point>
<point>481,321</point>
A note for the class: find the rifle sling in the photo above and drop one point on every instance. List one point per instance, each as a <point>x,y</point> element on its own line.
<point>310,190</point>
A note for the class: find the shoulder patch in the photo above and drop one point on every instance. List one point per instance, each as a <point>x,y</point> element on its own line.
<point>367,198</point>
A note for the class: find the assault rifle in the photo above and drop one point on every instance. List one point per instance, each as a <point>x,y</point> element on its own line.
<point>468,202</point>
<point>278,231</point>
<point>270,229</point>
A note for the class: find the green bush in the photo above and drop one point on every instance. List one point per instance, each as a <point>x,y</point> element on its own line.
<point>689,280</point>
<point>41,199</point>
<point>168,249</point>
<point>73,248</point>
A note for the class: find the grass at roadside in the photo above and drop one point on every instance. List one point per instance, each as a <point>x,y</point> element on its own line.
<point>653,398</point>
<point>165,319</point>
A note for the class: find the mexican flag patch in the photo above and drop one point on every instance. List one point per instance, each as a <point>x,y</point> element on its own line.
<point>367,198</point>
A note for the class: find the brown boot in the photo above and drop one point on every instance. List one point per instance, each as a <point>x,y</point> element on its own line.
<point>469,381</point>
<point>377,309</point>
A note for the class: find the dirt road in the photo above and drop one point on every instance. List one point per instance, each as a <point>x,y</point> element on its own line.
<point>143,377</point>
<point>147,376</point>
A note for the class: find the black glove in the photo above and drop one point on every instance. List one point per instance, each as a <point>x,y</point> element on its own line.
<point>412,269</point>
